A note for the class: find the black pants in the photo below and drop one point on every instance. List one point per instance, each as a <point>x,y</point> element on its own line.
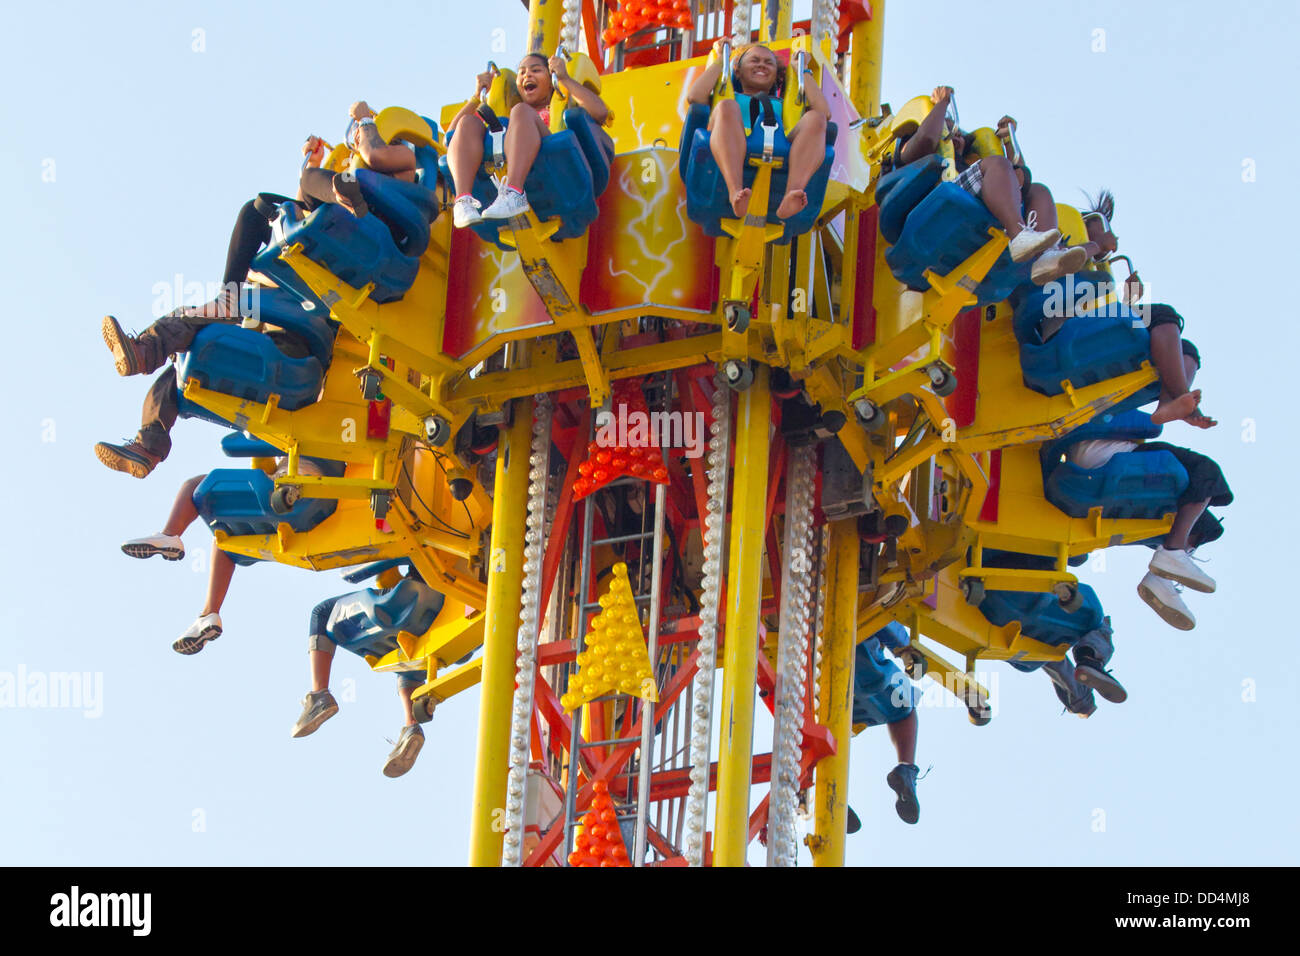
<point>1204,476</point>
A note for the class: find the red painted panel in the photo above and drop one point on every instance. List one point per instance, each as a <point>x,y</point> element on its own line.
<point>990,510</point>
<point>864,311</point>
<point>966,336</point>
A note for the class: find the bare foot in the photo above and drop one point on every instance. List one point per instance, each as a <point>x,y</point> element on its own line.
<point>792,203</point>
<point>1197,420</point>
<point>1175,409</point>
<point>740,202</point>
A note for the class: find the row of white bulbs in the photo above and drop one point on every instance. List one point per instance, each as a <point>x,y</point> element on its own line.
<point>569,22</point>
<point>526,642</point>
<point>710,593</point>
<point>792,658</point>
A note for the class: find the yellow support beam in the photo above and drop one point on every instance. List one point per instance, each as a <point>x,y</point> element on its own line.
<point>835,709</point>
<point>744,592</point>
<point>868,56</point>
<point>505,584</point>
<point>544,26</point>
<point>778,19</point>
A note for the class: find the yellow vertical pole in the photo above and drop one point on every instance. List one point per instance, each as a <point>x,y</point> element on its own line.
<point>868,53</point>
<point>544,26</point>
<point>778,18</point>
<point>744,594</point>
<point>835,709</point>
<point>504,587</point>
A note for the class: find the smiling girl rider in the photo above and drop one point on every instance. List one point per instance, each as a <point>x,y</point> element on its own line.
<point>529,122</point>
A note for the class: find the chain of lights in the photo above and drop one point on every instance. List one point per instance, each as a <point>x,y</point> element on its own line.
<point>740,15</point>
<point>526,642</point>
<point>825,20</point>
<point>792,657</point>
<point>823,543</point>
<point>570,20</point>
<point>710,599</point>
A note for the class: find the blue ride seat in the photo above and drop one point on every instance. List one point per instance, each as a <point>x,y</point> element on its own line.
<point>1143,485</point>
<point>571,170</point>
<point>237,501</point>
<point>1039,613</point>
<point>406,208</point>
<point>366,622</point>
<point>248,364</point>
<point>942,231</point>
<point>898,193</point>
<point>240,445</point>
<point>1041,616</point>
<point>383,248</point>
<point>707,199</point>
<point>1091,346</point>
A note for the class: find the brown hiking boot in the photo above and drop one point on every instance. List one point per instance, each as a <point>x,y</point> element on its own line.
<point>129,355</point>
<point>132,458</point>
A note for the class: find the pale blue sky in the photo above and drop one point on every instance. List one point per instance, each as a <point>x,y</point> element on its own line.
<point>154,148</point>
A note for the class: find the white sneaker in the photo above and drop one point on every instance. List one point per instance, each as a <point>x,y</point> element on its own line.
<point>465,212</point>
<point>1179,566</point>
<point>1163,597</point>
<point>1057,262</point>
<point>1030,243</point>
<point>509,204</point>
<point>168,545</point>
<point>206,628</point>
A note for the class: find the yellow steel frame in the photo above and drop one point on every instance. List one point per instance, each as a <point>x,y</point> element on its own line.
<point>744,592</point>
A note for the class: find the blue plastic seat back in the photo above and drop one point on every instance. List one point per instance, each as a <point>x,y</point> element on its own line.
<point>1086,350</point>
<point>238,445</point>
<point>1041,616</point>
<point>367,621</point>
<point>248,365</point>
<point>406,208</point>
<point>596,144</point>
<point>899,192</point>
<point>1094,344</point>
<point>358,251</point>
<point>1077,296</point>
<point>238,502</point>
<point>942,231</point>
<point>707,199</point>
<point>312,326</point>
<point>1142,485</point>
<point>1107,426</point>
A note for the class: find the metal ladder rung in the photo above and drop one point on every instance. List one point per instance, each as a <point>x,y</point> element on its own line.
<point>638,598</point>
<point>617,695</point>
<point>622,538</point>
<point>610,742</point>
